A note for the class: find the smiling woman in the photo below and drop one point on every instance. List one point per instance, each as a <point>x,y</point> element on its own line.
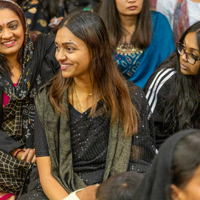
<point>90,122</point>
<point>173,91</point>
<point>24,68</point>
<point>11,25</point>
<point>73,54</point>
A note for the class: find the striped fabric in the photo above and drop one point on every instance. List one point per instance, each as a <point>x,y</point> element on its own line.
<point>159,80</point>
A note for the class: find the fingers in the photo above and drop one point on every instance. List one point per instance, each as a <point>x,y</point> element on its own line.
<point>29,155</point>
<point>26,151</point>
<point>34,159</point>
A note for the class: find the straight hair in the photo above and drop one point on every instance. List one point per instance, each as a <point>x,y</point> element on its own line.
<point>141,38</point>
<point>107,80</point>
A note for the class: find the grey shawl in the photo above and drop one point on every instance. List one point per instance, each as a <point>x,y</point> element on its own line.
<point>59,141</point>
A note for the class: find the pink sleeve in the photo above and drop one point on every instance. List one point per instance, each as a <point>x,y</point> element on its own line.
<point>6,98</point>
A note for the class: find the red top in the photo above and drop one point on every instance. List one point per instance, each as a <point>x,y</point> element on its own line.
<point>6,98</point>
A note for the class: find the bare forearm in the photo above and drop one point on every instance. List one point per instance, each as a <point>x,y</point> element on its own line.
<point>52,189</point>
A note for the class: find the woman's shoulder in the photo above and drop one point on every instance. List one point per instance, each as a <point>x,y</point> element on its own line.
<point>133,88</point>
<point>159,85</point>
<point>43,93</point>
<point>158,17</point>
<point>136,93</point>
<point>160,77</point>
<point>157,14</point>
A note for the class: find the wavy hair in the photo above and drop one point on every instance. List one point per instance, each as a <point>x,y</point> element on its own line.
<point>107,80</point>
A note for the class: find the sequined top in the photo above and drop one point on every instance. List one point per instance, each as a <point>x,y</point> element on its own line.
<point>90,137</point>
<point>89,140</point>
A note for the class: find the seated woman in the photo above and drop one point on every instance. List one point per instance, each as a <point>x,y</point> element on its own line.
<point>90,122</point>
<point>142,39</point>
<point>173,91</point>
<point>174,174</point>
<point>24,68</point>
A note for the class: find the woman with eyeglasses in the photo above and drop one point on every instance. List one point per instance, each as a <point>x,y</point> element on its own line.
<point>173,91</point>
<point>142,39</point>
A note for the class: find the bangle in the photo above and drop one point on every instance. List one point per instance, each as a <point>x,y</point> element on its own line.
<point>16,152</point>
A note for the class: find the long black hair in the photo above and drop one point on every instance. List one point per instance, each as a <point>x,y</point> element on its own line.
<point>185,161</point>
<point>141,38</point>
<point>182,104</point>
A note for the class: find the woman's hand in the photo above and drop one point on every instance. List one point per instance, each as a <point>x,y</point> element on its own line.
<point>27,155</point>
<point>55,22</point>
<point>89,193</point>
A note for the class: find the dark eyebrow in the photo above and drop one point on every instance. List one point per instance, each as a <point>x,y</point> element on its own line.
<point>66,43</point>
<point>191,48</point>
<point>195,49</point>
<point>10,22</point>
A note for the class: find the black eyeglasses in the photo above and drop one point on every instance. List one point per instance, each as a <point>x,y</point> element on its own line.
<point>191,58</point>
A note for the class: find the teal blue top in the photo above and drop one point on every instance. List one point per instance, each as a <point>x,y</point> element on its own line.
<point>140,65</point>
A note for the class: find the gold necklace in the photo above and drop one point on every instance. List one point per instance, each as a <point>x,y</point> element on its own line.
<point>89,94</point>
<point>79,105</point>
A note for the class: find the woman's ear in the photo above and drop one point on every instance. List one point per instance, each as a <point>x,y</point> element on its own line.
<point>176,193</point>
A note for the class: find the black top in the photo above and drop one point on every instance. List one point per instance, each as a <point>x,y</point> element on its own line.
<point>157,91</point>
<point>89,140</point>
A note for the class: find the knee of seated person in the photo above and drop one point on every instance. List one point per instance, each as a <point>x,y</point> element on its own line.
<point>119,186</point>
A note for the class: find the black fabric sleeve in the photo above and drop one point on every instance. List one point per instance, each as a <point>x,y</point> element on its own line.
<point>7,144</point>
<point>45,53</point>
<point>143,143</point>
<point>159,87</point>
<point>40,140</point>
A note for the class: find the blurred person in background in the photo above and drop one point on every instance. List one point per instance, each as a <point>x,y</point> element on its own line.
<point>141,39</point>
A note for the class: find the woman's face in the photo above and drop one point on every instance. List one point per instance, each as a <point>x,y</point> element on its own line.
<point>72,54</point>
<point>129,7</point>
<point>191,191</point>
<point>191,46</point>
<point>11,33</point>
